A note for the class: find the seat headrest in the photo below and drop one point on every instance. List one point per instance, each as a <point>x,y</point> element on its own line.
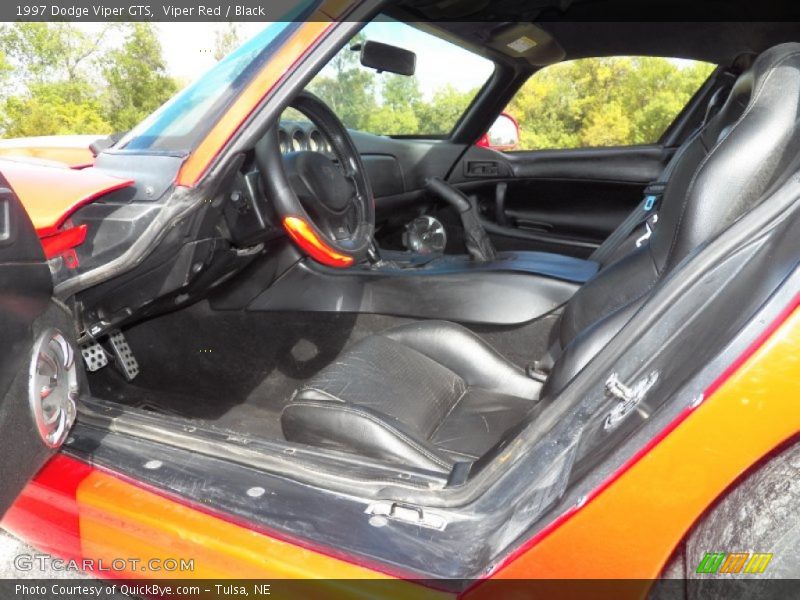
<point>746,149</point>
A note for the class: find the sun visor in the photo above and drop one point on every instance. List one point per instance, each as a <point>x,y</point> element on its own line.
<point>525,40</point>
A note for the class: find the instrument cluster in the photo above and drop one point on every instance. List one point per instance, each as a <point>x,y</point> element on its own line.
<point>301,136</point>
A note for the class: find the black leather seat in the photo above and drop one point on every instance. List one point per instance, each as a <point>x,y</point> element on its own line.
<point>431,394</point>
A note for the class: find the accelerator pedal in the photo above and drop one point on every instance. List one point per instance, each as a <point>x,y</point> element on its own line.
<point>124,359</point>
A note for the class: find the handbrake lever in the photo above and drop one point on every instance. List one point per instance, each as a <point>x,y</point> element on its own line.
<point>478,244</point>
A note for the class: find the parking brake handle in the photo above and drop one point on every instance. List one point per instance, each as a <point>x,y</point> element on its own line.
<point>479,245</point>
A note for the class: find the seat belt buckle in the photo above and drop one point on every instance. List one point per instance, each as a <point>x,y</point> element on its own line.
<point>649,226</point>
<point>653,193</point>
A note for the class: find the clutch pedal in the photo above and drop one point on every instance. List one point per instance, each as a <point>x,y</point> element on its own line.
<point>94,356</point>
<point>124,359</point>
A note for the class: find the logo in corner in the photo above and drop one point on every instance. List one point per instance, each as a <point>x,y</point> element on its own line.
<point>750,563</point>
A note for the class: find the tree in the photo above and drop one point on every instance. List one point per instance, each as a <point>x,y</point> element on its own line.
<point>53,109</point>
<point>438,116</point>
<point>137,79</point>
<point>347,87</point>
<point>54,90</point>
<point>46,52</point>
<point>604,101</point>
<point>226,40</point>
<point>400,102</point>
<point>66,81</point>
<point>5,70</point>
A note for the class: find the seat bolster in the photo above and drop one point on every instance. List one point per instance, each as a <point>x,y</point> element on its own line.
<point>586,346</point>
<point>351,428</point>
<point>465,354</point>
<point>621,283</point>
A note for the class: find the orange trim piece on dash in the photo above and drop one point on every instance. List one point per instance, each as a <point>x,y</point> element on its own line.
<point>276,68</point>
<point>304,236</point>
<point>630,527</point>
<point>51,194</point>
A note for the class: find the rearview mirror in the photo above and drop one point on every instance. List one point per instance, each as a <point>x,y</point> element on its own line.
<point>391,59</point>
<point>503,135</point>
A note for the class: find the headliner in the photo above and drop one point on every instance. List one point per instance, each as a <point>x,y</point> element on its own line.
<point>619,27</point>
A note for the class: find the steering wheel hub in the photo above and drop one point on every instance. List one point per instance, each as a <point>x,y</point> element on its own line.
<point>317,179</point>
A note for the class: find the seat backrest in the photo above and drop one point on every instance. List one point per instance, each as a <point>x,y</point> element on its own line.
<point>743,153</point>
<point>628,235</point>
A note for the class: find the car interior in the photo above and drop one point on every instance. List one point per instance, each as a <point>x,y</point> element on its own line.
<point>417,310</point>
<point>509,316</point>
<point>431,393</point>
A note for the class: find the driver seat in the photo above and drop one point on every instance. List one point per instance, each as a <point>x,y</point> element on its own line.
<point>431,394</point>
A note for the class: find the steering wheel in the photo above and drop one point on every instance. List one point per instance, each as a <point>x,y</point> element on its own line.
<point>325,206</point>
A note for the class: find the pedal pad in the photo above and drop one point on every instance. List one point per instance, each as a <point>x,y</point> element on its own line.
<point>94,357</point>
<point>124,359</point>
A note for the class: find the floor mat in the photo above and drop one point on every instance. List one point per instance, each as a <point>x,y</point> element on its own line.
<point>234,370</point>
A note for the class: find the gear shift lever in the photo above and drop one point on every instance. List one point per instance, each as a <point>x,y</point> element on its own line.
<point>479,245</point>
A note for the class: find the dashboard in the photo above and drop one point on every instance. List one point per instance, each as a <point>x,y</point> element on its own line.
<point>237,222</point>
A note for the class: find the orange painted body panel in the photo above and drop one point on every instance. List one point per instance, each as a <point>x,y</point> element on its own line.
<point>630,528</point>
<point>103,518</point>
<point>50,194</point>
<point>157,527</point>
<point>72,157</point>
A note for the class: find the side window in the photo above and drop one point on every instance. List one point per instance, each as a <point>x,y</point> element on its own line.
<point>595,102</point>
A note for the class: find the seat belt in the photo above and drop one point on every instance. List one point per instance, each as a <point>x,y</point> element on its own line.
<point>645,213</point>
<point>641,214</point>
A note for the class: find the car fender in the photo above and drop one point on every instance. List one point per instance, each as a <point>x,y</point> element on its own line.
<point>51,192</point>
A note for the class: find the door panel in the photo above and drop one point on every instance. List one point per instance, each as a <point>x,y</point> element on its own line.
<point>26,315</point>
<point>564,201</point>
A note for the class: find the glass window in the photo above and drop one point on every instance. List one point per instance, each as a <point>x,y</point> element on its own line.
<point>186,118</point>
<point>429,103</point>
<point>615,101</point>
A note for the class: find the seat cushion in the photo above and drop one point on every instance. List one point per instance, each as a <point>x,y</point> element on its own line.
<point>427,394</point>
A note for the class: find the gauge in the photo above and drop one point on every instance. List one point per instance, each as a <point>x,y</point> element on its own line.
<point>299,141</point>
<point>316,143</point>
<point>283,141</point>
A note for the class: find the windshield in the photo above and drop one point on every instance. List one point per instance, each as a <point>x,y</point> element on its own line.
<point>427,104</point>
<point>180,124</point>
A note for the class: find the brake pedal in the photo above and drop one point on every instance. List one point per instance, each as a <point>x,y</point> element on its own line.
<point>125,361</point>
<point>94,357</point>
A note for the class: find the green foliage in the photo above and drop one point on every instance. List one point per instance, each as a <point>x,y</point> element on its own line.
<point>5,70</point>
<point>53,109</point>
<point>604,101</point>
<point>60,80</point>
<point>347,88</point>
<point>226,40</point>
<point>137,79</point>
<point>43,52</point>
